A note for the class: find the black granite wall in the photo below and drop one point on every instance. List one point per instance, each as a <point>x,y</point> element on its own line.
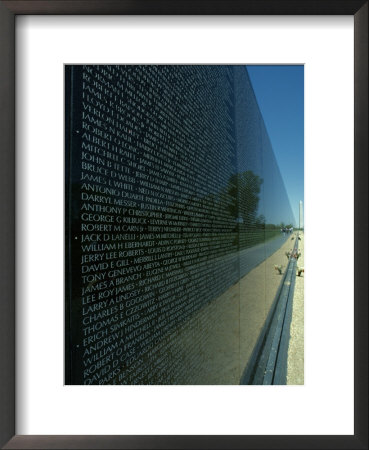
<point>170,178</point>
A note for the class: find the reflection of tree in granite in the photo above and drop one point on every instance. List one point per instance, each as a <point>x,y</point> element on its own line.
<point>260,221</point>
<point>244,190</point>
<point>249,187</point>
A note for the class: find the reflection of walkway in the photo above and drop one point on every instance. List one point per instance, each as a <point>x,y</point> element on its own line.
<point>253,256</point>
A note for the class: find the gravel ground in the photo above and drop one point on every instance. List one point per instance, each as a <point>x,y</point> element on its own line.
<point>295,361</point>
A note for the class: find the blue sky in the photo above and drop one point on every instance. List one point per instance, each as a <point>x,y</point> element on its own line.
<point>280,94</point>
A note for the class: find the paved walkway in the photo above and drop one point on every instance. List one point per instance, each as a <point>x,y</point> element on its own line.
<point>295,361</point>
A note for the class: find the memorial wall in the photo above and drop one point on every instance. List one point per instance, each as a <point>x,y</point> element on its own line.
<point>172,198</point>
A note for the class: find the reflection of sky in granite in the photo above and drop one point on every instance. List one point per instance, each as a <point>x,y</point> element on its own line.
<point>279,90</point>
<point>255,152</point>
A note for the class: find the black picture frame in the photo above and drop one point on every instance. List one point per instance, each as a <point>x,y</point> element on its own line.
<point>8,11</point>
